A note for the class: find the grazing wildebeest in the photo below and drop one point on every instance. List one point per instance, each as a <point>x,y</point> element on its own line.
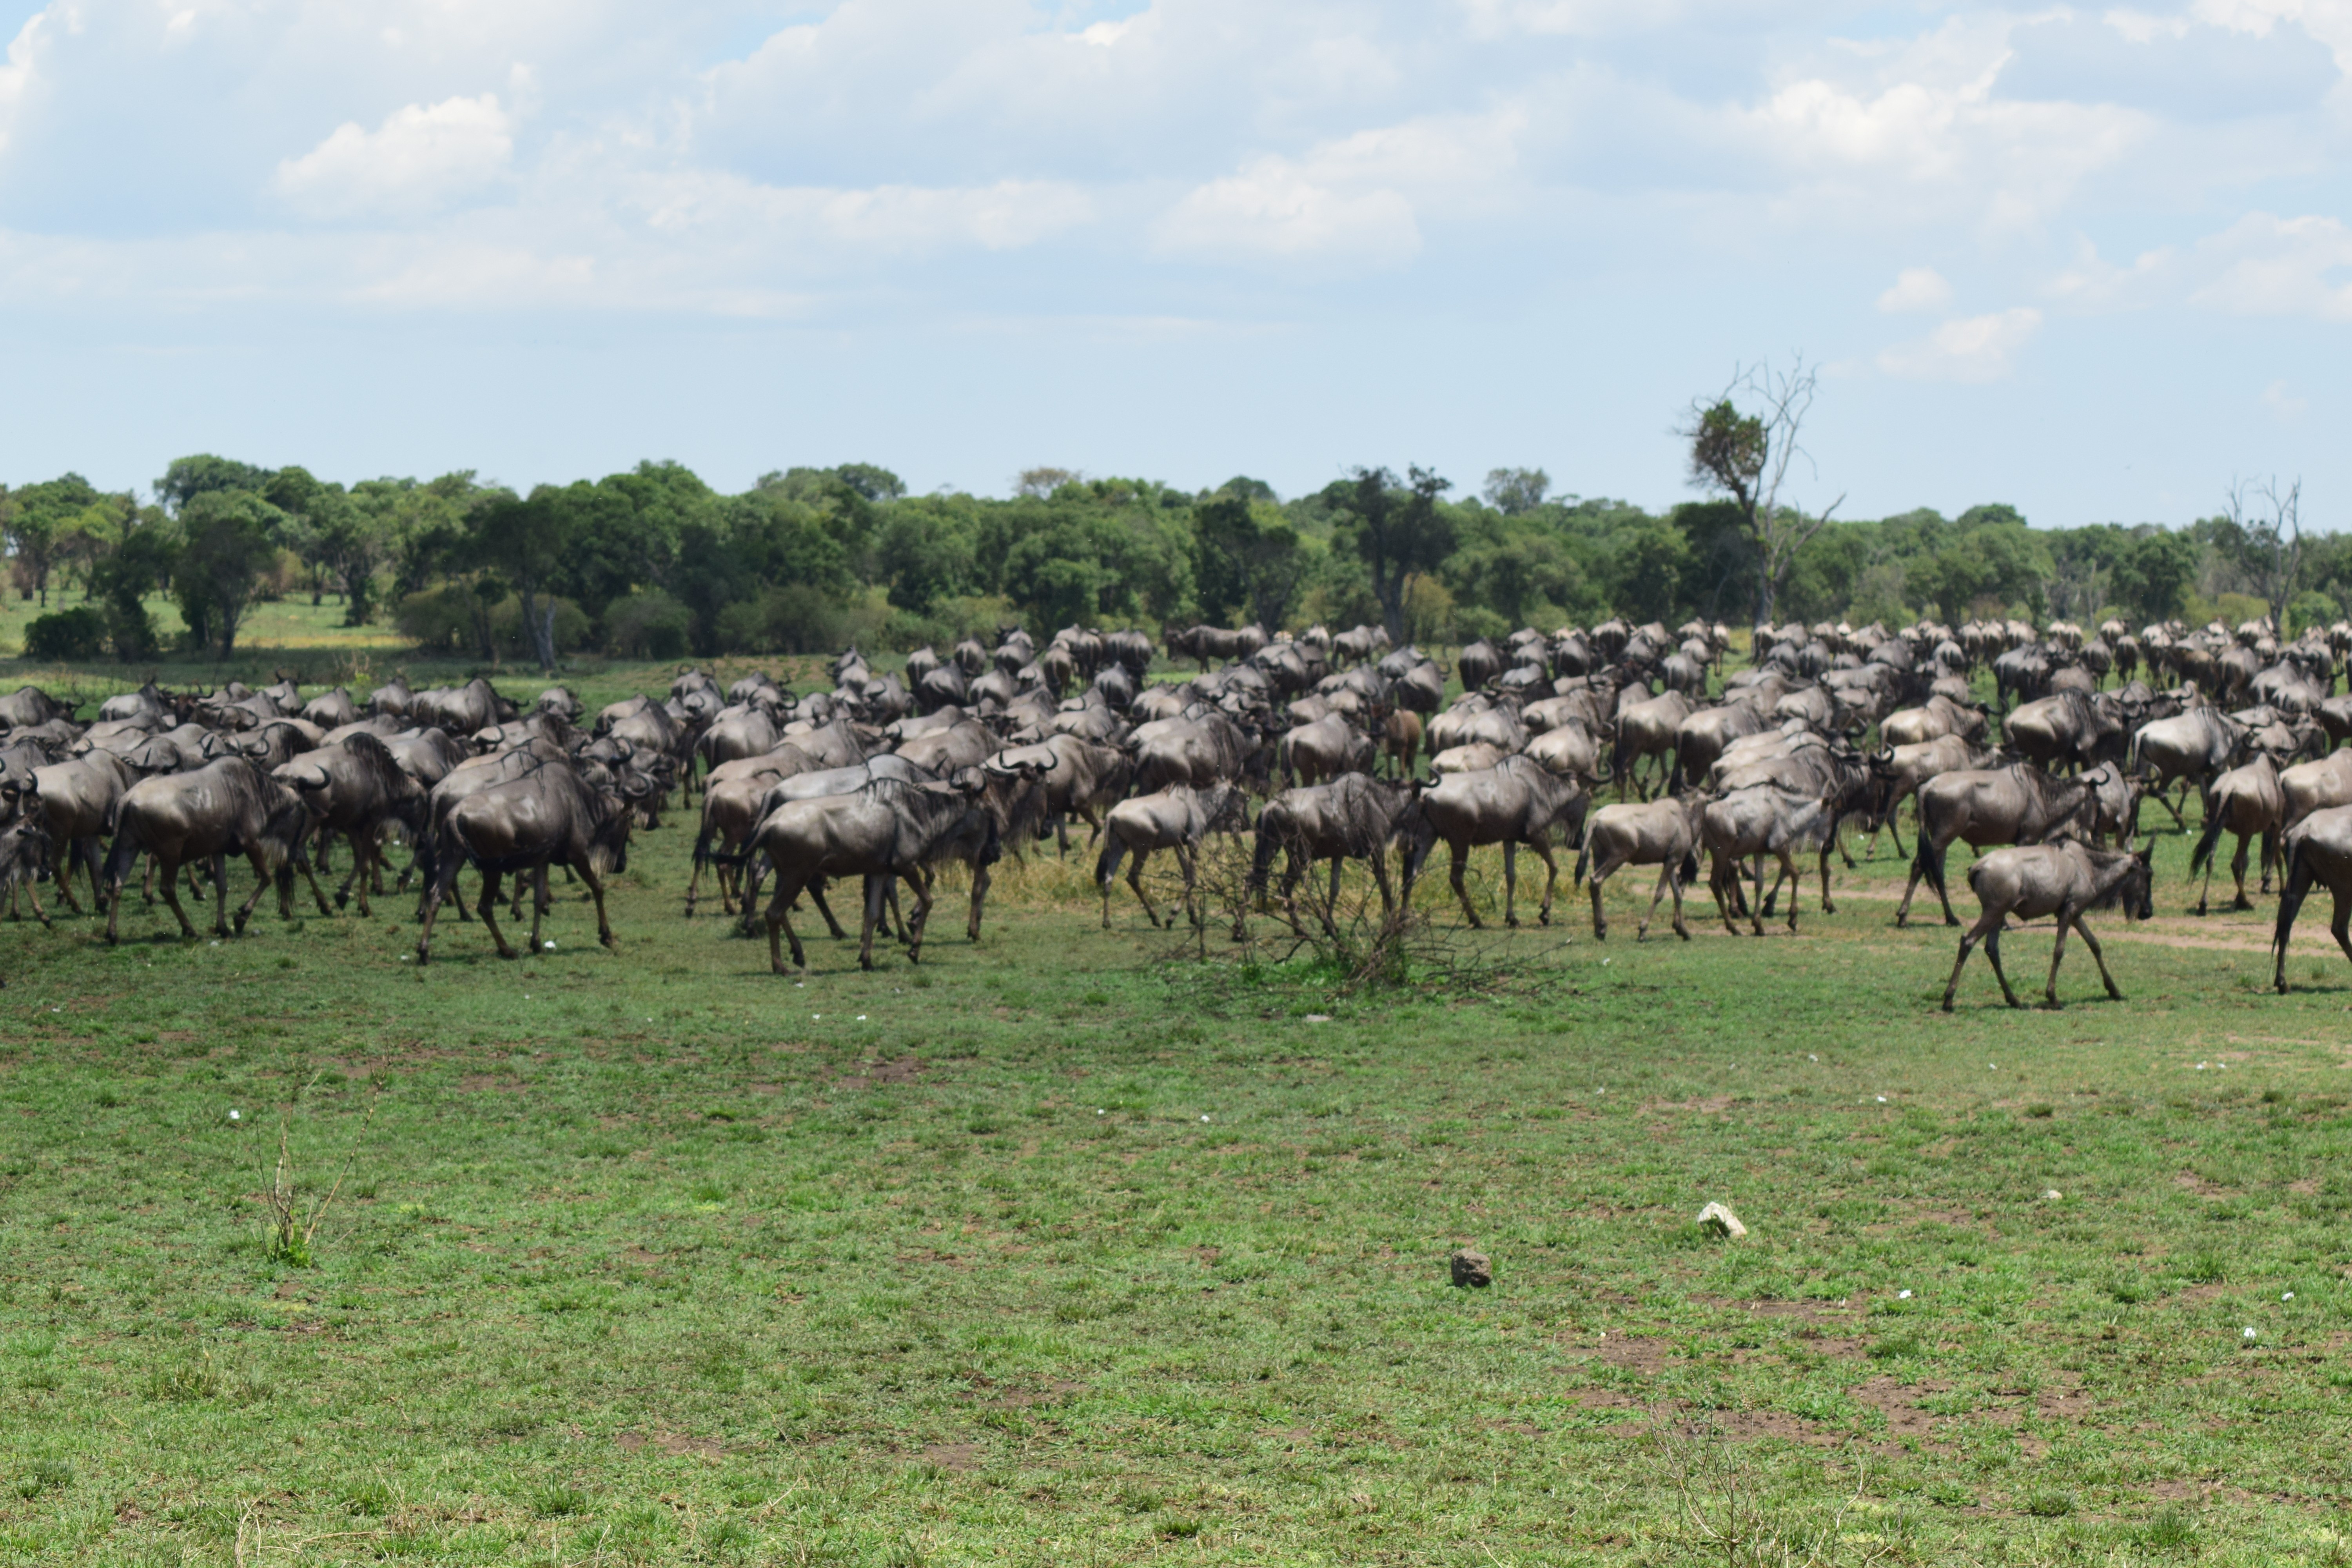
<point>1761,820</point>
<point>2067,879</point>
<point>1518,801</point>
<point>1661,833</point>
<point>1175,818</point>
<point>888,829</point>
<point>543,813</point>
<point>1353,818</point>
<point>2249,803</point>
<point>2017,804</point>
<point>2318,850</point>
<point>225,808</point>
<point>357,789</point>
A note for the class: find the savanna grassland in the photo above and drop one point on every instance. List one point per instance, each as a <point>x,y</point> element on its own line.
<point>1078,1246</point>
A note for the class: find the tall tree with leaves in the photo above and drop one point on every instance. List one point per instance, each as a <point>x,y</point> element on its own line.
<point>1745,458</point>
<point>526,541</point>
<point>1398,532</point>
<point>226,546</point>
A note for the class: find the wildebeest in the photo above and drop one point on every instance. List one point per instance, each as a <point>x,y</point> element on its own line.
<point>1082,779</point>
<point>2067,879</point>
<point>76,802</point>
<point>887,830</point>
<point>2070,730</point>
<point>2318,850</point>
<point>1568,749</point>
<point>357,789</point>
<point>1661,833</point>
<point>1762,820</point>
<point>2018,805</point>
<point>225,808</point>
<point>1353,818</point>
<point>543,812</point>
<point>2196,747</point>
<point>2248,802</point>
<point>2315,786</point>
<point>1941,717</point>
<point>1646,729</point>
<point>1201,749</point>
<point>1325,749</point>
<point>1174,818</point>
<point>1908,767</point>
<point>29,705</point>
<point>1518,801</point>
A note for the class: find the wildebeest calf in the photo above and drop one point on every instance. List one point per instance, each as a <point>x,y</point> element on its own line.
<point>2066,879</point>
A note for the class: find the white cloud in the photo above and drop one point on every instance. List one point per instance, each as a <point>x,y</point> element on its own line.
<point>421,158</point>
<point>1007,216</point>
<point>2283,403</point>
<point>1273,208</point>
<point>1916,288</point>
<point>2268,266</point>
<point>1971,349</point>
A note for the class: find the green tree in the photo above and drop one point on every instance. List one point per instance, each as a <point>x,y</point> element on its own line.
<point>227,545</point>
<point>38,519</point>
<point>1397,531</point>
<point>189,477</point>
<point>526,542</point>
<point>1248,560</point>
<point>144,558</point>
<point>1515,492</point>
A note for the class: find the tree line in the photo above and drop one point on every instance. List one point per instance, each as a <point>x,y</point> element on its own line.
<point>654,562</point>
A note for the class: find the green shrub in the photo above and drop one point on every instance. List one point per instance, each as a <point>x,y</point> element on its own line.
<point>648,625</point>
<point>76,633</point>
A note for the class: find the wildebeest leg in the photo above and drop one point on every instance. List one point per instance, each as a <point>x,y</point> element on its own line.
<point>2205,889</point>
<point>1796,880</point>
<point>1665,881</point>
<point>171,876</point>
<point>33,891</point>
<point>1510,882</point>
<point>1601,870</point>
<point>877,888</point>
<point>979,897</point>
<point>2237,869</point>
<point>2341,927</point>
<point>220,895</point>
<point>1380,878</point>
<point>489,913</point>
<point>1107,873</point>
<point>1135,880</point>
<point>301,862</point>
<point>65,884</point>
<point>816,897</point>
<point>780,925</point>
<point>538,907</point>
<point>2057,956</point>
<point>922,884</point>
<point>1184,863</point>
<point>1671,870</point>
<point>2093,944</point>
<point>1722,872</point>
<point>1828,906</point>
<point>1992,952</point>
<point>1542,851</point>
<point>147,884</point>
<point>1331,902</point>
<point>2178,820</point>
<point>1988,925</point>
<point>1460,850</point>
<point>2269,856</point>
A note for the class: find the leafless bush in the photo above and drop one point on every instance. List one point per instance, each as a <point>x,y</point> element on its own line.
<point>1723,1511</point>
<point>292,1233</point>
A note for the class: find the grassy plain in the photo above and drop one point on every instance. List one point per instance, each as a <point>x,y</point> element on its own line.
<point>1071,1247</point>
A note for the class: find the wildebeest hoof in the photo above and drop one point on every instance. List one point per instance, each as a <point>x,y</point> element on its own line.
<point>1948,1003</point>
<point>1512,921</point>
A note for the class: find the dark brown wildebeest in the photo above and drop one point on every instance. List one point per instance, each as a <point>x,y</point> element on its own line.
<point>1082,779</point>
<point>2196,747</point>
<point>2317,849</point>
<point>1400,740</point>
<point>1325,749</point>
<point>1661,833</point>
<point>1353,818</point>
<point>424,755</point>
<point>887,830</point>
<point>2249,803</point>
<point>460,710</point>
<point>1175,818</point>
<point>1478,664</point>
<point>734,800</point>
<point>280,741</point>
<point>76,802</point>
<point>2068,879</point>
<point>543,813</point>
<point>1761,820</point>
<point>225,808</point>
<point>1518,801</point>
<point>1984,807</point>
<point>358,790</point>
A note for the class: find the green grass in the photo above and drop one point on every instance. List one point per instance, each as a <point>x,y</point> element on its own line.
<point>1070,1248</point>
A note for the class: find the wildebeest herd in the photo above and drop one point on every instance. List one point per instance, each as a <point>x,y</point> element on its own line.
<point>1314,743</point>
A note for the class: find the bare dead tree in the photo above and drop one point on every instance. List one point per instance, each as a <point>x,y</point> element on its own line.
<point>2271,523</point>
<point>1746,458</point>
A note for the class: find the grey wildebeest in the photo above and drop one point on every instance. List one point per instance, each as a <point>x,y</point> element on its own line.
<point>1761,820</point>
<point>2318,850</point>
<point>1082,779</point>
<point>76,802</point>
<point>1908,767</point>
<point>1176,819</point>
<point>543,813</point>
<point>1661,833</point>
<point>2017,804</point>
<point>358,790</point>
<point>1518,801</point>
<point>2248,802</point>
<point>1646,729</point>
<point>2196,747</point>
<point>1325,749</point>
<point>1353,818</point>
<point>2315,786</point>
<point>225,808</point>
<point>2067,879</point>
<point>888,829</point>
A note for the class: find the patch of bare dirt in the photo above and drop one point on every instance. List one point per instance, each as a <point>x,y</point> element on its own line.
<point>673,1443</point>
<point>2192,1181</point>
<point>1906,1421</point>
<point>1640,1355</point>
<point>903,1069</point>
<point>958,1458</point>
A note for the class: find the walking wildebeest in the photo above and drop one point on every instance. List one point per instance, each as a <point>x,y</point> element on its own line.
<point>2067,879</point>
<point>2196,747</point>
<point>2316,849</point>
<point>1175,818</point>
<point>1353,818</point>
<point>357,789</point>
<point>543,813</point>
<point>225,808</point>
<point>1761,820</point>
<point>1518,801</point>
<point>76,802</point>
<point>1661,833</point>
<point>2249,803</point>
<point>888,829</point>
<point>2017,804</point>
<point>1325,749</point>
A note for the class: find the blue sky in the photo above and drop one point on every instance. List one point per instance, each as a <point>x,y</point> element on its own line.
<point>2094,263</point>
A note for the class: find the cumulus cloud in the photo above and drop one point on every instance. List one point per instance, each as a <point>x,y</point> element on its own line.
<point>419,159</point>
<point>1969,349</point>
<point>2268,266</point>
<point>1916,288</point>
<point>1272,208</point>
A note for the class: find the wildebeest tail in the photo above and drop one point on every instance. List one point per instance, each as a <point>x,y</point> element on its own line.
<point>1113,850</point>
<point>2205,841</point>
<point>1583,853</point>
<point>1930,863</point>
<point>121,856</point>
<point>1262,857</point>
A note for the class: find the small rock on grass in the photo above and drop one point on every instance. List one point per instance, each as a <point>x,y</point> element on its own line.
<point>1472,1268</point>
<point>1721,1221</point>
